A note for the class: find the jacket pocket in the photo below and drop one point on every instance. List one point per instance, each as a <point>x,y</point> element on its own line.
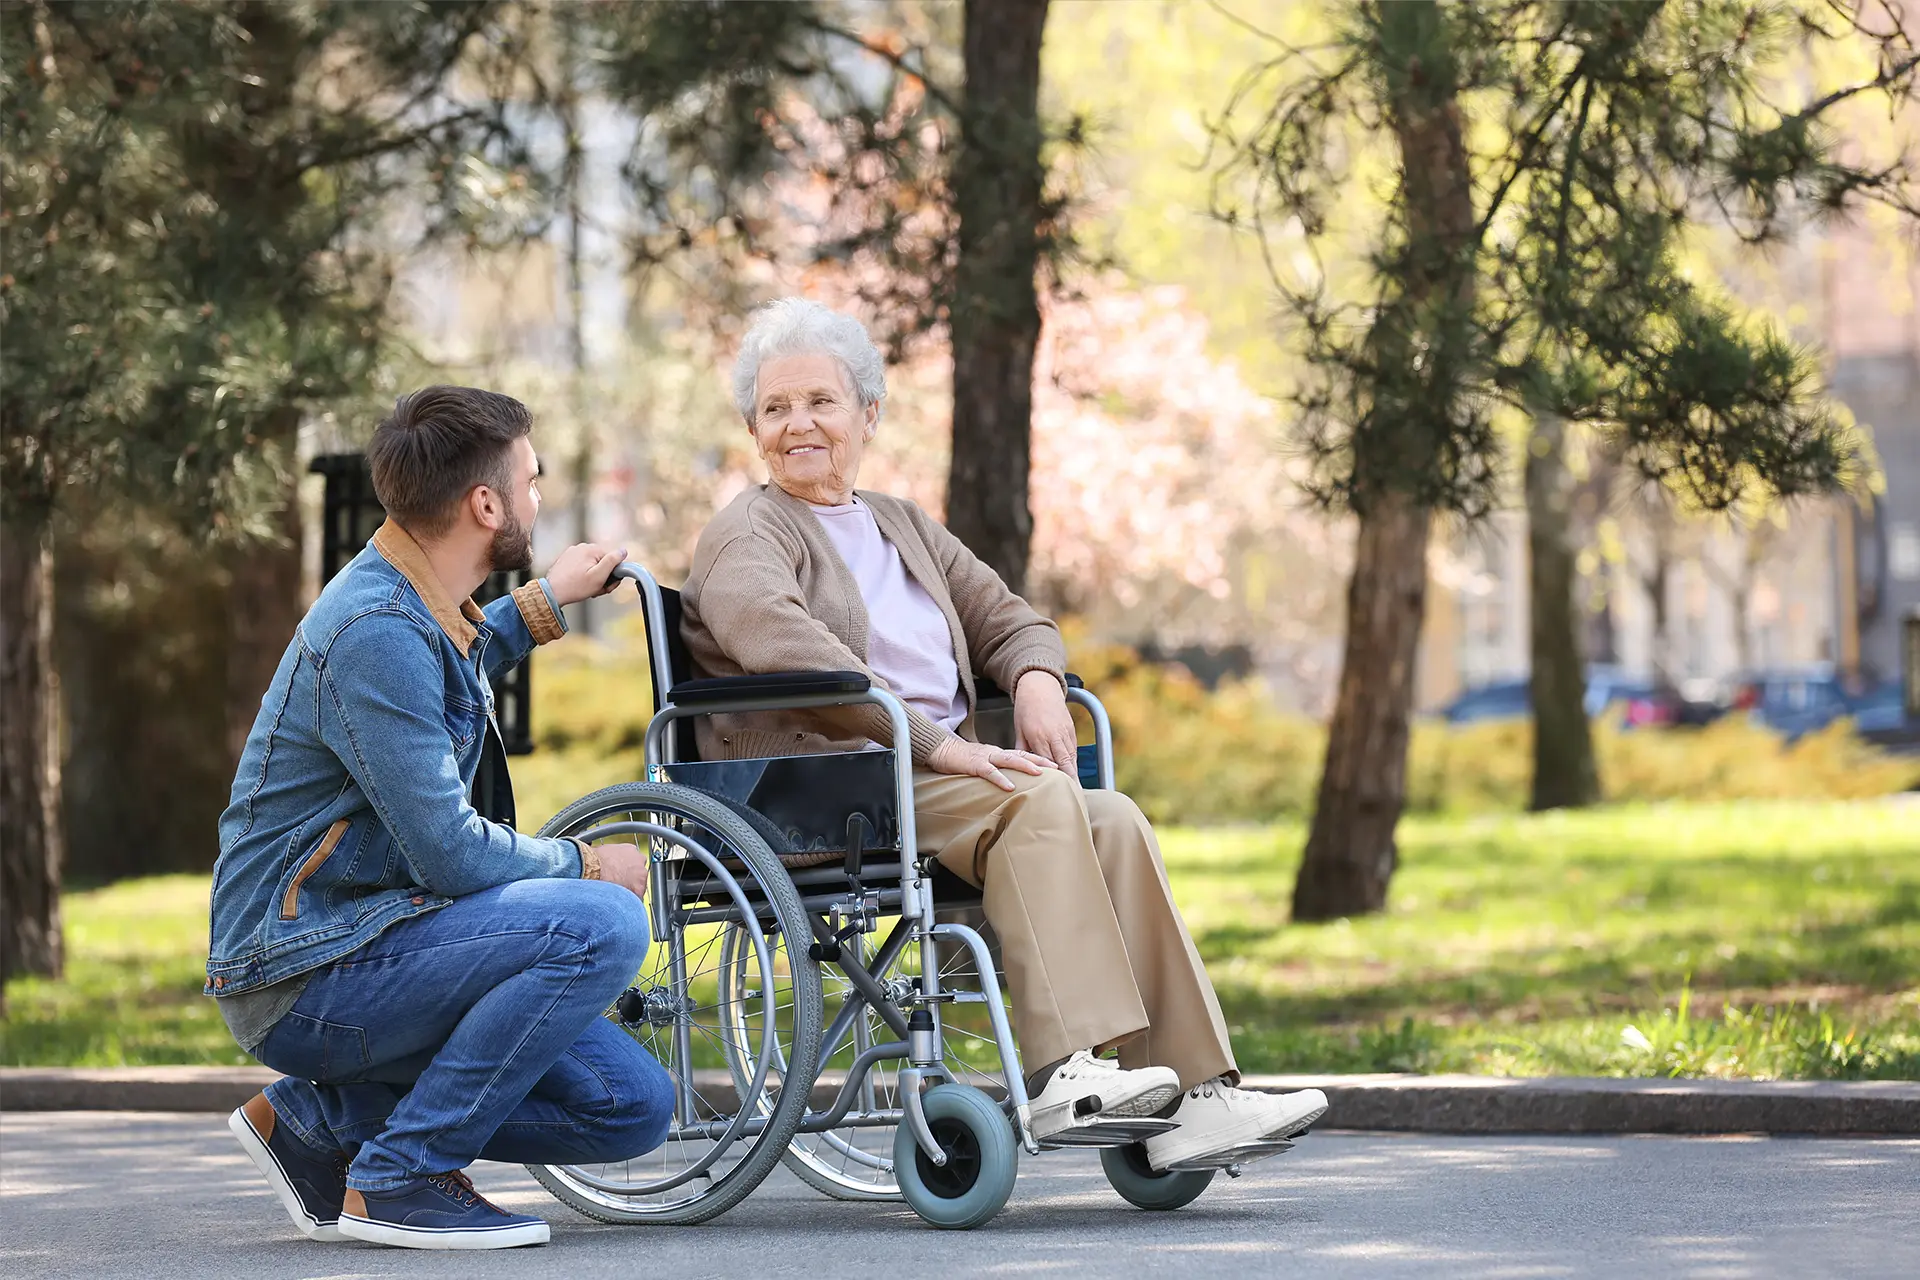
<point>464,722</point>
<point>290,904</point>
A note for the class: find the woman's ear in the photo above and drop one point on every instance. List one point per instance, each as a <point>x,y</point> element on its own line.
<point>872,426</point>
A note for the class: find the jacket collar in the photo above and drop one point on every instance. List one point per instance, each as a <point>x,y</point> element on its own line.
<point>404,554</point>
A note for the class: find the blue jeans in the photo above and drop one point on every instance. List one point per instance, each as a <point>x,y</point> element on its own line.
<point>474,1032</point>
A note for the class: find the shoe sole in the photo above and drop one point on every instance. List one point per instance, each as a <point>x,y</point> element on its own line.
<point>263,1160</point>
<point>1173,1154</point>
<point>1144,1104</point>
<point>524,1233</point>
<point>1136,1106</point>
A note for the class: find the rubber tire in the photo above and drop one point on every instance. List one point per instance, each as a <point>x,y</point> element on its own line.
<point>808,1014</point>
<point>974,1118</point>
<point>1139,1185</point>
<point>878,1193</point>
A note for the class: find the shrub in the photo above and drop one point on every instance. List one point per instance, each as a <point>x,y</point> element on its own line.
<point>1189,755</point>
<point>594,695</point>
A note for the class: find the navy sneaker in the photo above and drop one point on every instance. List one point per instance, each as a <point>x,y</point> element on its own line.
<point>310,1183</point>
<point>439,1211</point>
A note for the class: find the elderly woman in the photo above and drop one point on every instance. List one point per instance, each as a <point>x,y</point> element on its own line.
<point>811,573</point>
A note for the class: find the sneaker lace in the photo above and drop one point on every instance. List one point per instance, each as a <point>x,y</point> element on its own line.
<point>456,1184</point>
<point>1216,1088</point>
<point>1083,1064</point>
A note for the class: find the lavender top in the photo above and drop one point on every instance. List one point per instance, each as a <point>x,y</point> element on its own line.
<point>908,644</point>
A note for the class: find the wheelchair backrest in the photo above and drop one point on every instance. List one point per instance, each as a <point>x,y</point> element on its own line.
<point>668,661</point>
<point>679,666</point>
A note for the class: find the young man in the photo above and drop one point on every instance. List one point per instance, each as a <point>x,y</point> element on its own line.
<point>431,983</point>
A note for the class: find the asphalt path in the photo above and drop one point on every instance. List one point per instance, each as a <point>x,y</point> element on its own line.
<point>160,1196</point>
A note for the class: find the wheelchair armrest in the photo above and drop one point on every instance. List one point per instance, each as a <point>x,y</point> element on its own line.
<point>986,691</point>
<point>772,684</point>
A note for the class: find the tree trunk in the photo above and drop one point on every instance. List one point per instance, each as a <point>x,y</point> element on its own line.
<point>30,836</point>
<point>572,181</point>
<point>996,312</point>
<point>145,746</point>
<point>263,608</point>
<point>1564,773</point>
<point>1655,584</point>
<point>1350,853</point>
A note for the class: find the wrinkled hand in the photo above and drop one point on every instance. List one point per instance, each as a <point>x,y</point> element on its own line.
<point>624,865</point>
<point>980,760</point>
<point>1042,723</point>
<point>581,572</point>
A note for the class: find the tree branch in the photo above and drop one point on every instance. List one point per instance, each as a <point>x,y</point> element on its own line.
<point>889,57</point>
<point>1532,140</point>
<point>1885,78</point>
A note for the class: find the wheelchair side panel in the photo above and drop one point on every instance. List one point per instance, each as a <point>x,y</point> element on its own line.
<point>809,799</point>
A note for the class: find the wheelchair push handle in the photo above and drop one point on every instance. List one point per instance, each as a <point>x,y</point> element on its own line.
<point>626,570</point>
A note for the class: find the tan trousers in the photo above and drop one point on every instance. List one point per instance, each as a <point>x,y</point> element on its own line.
<point>1095,952</point>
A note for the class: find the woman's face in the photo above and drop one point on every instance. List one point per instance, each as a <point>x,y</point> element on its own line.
<point>810,427</point>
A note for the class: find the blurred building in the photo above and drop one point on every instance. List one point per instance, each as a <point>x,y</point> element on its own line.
<point>1875,335</point>
<point>1699,601</point>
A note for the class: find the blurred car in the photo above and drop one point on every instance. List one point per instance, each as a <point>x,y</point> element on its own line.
<point>1499,700</point>
<point>1793,701</point>
<point>1606,687</point>
<point>1880,716</point>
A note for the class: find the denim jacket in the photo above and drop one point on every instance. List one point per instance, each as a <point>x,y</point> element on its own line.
<point>349,810</point>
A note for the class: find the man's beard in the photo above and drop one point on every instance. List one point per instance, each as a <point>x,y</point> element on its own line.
<point>512,546</point>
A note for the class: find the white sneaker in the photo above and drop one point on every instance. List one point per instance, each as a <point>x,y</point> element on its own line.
<point>1216,1117</point>
<point>1085,1087</point>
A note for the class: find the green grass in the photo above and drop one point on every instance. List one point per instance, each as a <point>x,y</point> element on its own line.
<point>136,959</point>
<point>1766,940</point>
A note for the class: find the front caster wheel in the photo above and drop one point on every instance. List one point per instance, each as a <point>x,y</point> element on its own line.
<point>982,1159</point>
<point>1140,1185</point>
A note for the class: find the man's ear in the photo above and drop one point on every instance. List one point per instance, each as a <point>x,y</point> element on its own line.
<point>486,508</point>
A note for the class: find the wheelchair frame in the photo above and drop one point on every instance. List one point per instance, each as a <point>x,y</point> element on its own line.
<point>909,1006</point>
<point>922,1047</point>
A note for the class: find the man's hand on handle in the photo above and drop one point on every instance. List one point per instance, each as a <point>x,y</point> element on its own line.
<point>583,571</point>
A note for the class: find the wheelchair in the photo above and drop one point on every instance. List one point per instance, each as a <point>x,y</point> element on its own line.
<point>809,990</point>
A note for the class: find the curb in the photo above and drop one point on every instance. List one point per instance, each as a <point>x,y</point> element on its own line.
<point>1391,1103</point>
<point>1578,1104</point>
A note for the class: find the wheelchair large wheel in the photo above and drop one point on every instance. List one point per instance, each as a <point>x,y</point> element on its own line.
<point>855,1161</point>
<point>725,1137</point>
<point>983,1159</point>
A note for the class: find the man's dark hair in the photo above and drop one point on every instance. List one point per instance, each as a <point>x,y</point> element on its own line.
<point>436,445</point>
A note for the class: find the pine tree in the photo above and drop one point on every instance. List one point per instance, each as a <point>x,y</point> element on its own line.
<point>1548,160</point>
<point>187,198</point>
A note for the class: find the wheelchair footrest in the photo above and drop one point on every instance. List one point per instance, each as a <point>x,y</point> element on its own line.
<point>1244,1154</point>
<point>1095,1132</point>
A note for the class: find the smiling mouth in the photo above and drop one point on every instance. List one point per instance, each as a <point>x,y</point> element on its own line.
<point>806,448</point>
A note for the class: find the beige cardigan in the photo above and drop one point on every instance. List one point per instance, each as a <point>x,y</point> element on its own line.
<point>768,592</point>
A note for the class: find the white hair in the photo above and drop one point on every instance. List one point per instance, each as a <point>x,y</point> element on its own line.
<point>798,327</point>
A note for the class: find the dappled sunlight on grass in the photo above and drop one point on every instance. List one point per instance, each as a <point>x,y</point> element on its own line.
<point>1527,943</point>
<point>136,960</point>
